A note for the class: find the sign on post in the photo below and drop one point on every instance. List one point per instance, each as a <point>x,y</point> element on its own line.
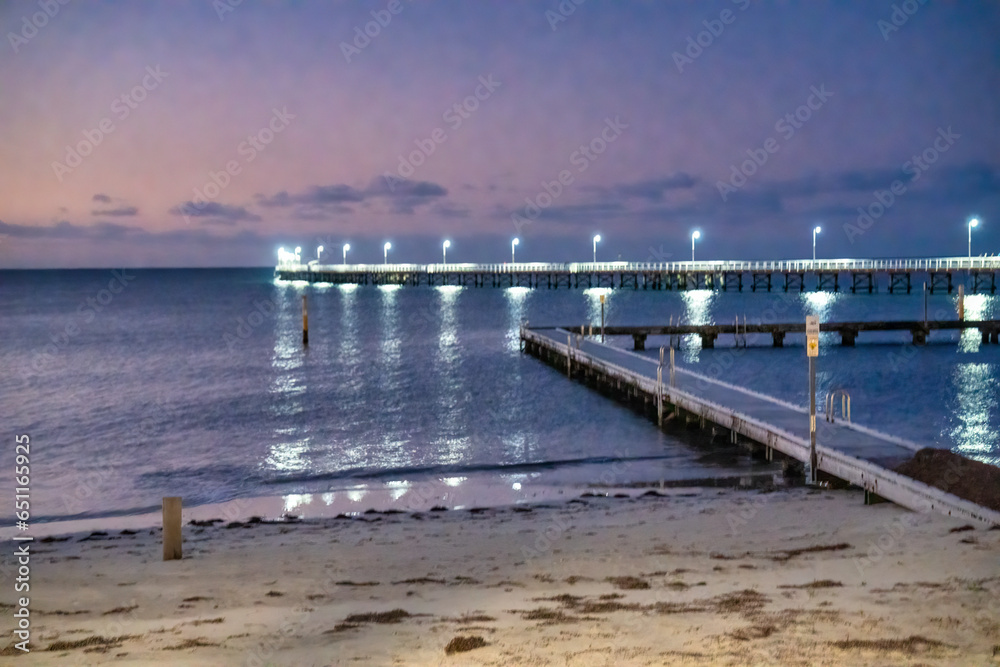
<point>812,350</point>
<point>812,336</point>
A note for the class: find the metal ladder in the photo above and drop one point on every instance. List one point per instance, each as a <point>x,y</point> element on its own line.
<point>845,405</point>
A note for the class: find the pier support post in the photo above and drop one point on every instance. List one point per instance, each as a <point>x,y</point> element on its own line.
<point>172,528</point>
<point>305,321</point>
<point>919,336</point>
<point>639,341</point>
<point>673,382</point>
<point>847,337</point>
<point>708,339</point>
<point>659,391</point>
<point>569,355</point>
<point>778,338</point>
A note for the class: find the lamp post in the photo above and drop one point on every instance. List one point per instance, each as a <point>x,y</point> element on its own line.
<point>597,239</point>
<point>347,246</point>
<point>385,252</point>
<point>816,230</point>
<point>972,223</point>
<point>695,235</point>
<point>298,254</point>
<point>319,251</point>
<point>444,250</point>
<point>512,244</point>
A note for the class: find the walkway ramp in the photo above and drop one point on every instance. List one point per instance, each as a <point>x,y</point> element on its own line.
<point>850,452</point>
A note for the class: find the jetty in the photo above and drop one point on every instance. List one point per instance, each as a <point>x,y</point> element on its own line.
<point>846,453</point>
<point>919,330</point>
<point>867,276</point>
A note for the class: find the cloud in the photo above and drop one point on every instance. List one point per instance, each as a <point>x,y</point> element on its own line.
<point>446,210</point>
<point>652,190</point>
<point>317,195</point>
<point>123,211</point>
<point>104,199</point>
<point>320,202</point>
<point>109,231</point>
<point>215,213</point>
<point>67,230</point>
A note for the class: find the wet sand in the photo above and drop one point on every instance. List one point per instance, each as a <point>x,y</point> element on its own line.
<point>687,577</point>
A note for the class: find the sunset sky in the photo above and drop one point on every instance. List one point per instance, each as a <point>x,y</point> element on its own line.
<point>120,121</point>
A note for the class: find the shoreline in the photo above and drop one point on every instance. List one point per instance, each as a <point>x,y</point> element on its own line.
<point>696,576</point>
<point>454,493</point>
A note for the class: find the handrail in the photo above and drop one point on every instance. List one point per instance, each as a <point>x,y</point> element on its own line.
<point>845,405</point>
<point>713,266</point>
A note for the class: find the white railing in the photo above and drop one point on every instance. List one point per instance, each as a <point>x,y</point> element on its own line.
<point>772,266</point>
<point>868,475</point>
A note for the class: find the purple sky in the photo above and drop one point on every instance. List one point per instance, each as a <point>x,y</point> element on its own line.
<point>329,130</point>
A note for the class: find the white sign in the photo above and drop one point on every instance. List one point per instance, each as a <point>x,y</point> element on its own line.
<point>812,336</point>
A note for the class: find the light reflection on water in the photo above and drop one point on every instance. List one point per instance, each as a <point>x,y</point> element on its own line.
<point>975,310</point>
<point>290,444</point>
<point>517,308</point>
<point>452,393</point>
<point>697,310</point>
<point>977,390</point>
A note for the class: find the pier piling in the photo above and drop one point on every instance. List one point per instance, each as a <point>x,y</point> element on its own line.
<point>305,321</point>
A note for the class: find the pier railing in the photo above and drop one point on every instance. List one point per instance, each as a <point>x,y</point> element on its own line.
<point>715,266</point>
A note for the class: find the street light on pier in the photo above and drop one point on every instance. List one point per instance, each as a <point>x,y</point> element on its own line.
<point>319,251</point>
<point>298,254</point>
<point>597,239</point>
<point>347,246</point>
<point>695,235</point>
<point>972,223</point>
<point>385,251</point>
<point>816,230</point>
<point>512,244</point>
<point>444,250</point>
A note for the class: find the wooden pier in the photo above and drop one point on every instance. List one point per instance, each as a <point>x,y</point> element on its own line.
<point>866,276</point>
<point>920,330</point>
<point>846,452</point>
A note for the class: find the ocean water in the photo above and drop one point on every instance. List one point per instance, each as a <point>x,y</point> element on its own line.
<point>140,384</point>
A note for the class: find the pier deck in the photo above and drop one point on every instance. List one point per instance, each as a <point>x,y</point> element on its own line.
<point>898,276</point>
<point>845,451</point>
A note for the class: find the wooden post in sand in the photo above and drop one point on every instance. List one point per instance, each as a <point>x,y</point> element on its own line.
<point>172,528</point>
<point>305,321</point>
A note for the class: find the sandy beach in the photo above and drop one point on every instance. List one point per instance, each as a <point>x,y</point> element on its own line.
<point>682,576</point>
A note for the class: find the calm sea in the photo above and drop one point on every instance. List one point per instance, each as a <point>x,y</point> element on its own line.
<point>144,383</point>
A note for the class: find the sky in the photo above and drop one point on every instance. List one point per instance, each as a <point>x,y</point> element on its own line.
<point>211,132</point>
